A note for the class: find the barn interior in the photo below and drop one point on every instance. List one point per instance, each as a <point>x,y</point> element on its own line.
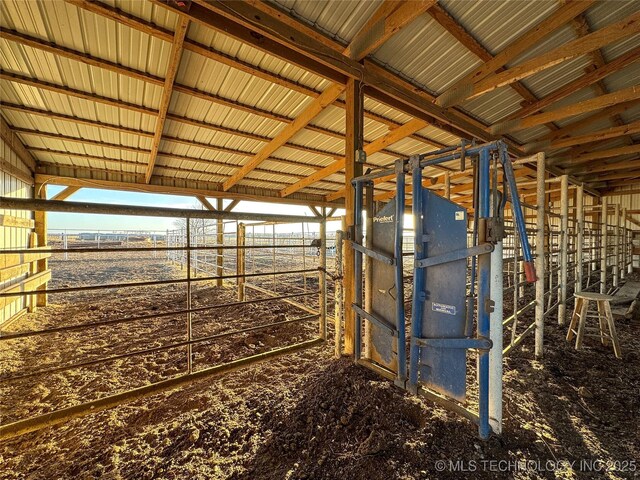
<point>411,242</point>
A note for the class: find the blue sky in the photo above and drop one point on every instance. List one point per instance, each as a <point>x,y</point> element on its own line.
<point>84,222</point>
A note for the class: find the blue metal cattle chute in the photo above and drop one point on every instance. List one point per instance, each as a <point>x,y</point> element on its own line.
<point>443,310</point>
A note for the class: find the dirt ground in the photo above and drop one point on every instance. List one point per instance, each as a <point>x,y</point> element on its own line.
<point>573,414</point>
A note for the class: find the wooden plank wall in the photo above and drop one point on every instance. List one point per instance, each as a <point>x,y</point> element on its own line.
<point>13,236</point>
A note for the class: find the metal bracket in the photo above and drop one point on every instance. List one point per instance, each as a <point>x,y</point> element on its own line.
<point>372,318</point>
<point>495,229</point>
<point>455,255</point>
<point>381,257</point>
<point>489,305</point>
<point>414,162</point>
<point>361,156</point>
<point>480,343</point>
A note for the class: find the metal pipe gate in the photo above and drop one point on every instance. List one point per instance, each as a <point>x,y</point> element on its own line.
<point>442,314</point>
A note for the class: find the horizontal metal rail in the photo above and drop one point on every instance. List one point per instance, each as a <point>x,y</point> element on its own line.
<point>147,249</point>
<point>154,349</point>
<point>57,417</point>
<point>39,205</point>
<point>154,282</point>
<point>117,321</point>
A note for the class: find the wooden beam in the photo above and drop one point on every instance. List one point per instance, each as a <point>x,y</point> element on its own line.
<point>206,203</point>
<point>390,138</point>
<point>605,36</point>
<point>440,15</point>
<point>173,186</point>
<point>626,162</point>
<point>388,20</point>
<point>12,77</point>
<point>20,174</point>
<point>526,41</point>
<point>613,132</point>
<point>597,155</point>
<point>16,222</point>
<point>172,70</point>
<point>588,120</point>
<point>315,107</point>
<point>598,103</point>
<point>354,131</point>
<point>232,205</point>
<point>15,144</point>
<point>66,193</point>
<point>594,76</point>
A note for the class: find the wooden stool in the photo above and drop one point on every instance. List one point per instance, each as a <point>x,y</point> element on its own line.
<point>580,315</point>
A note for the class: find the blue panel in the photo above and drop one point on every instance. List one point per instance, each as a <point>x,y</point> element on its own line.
<point>444,369</point>
<point>383,347</point>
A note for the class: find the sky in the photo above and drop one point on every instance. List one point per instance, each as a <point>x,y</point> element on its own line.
<point>91,222</point>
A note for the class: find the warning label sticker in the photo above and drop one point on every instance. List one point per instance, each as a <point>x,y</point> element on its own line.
<point>443,308</point>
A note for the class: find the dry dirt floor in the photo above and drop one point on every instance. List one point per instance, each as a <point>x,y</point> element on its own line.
<point>573,414</point>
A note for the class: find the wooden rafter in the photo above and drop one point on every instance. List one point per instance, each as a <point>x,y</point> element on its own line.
<point>527,40</point>
<point>605,36</point>
<point>364,42</point>
<point>440,15</point>
<point>388,20</point>
<point>581,124</point>
<point>627,162</point>
<point>66,193</point>
<point>613,132</point>
<point>597,155</point>
<point>590,78</point>
<point>586,106</point>
<point>315,107</point>
<point>131,21</point>
<point>206,203</point>
<point>172,70</point>
<point>7,133</point>
<point>393,136</point>
<point>581,26</point>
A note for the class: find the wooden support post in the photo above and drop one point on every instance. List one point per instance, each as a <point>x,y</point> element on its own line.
<point>579,237</point>
<point>322,277</point>
<point>564,247</point>
<point>540,261</point>
<point>31,302</point>
<point>338,293</point>
<point>616,246</point>
<point>220,242</point>
<point>603,247</point>
<point>41,231</point>
<point>353,142</point>
<point>623,252</point>
<point>240,260</point>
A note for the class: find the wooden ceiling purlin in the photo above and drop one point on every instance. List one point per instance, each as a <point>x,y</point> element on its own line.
<point>581,26</point>
<point>569,160</point>
<point>364,41</point>
<point>390,138</point>
<point>561,16</point>
<point>598,103</point>
<point>623,163</point>
<point>131,21</point>
<point>593,41</point>
<point>604,134</point>
<point>143,76</point>
<point>584,81</point>
<point>440,15</point>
